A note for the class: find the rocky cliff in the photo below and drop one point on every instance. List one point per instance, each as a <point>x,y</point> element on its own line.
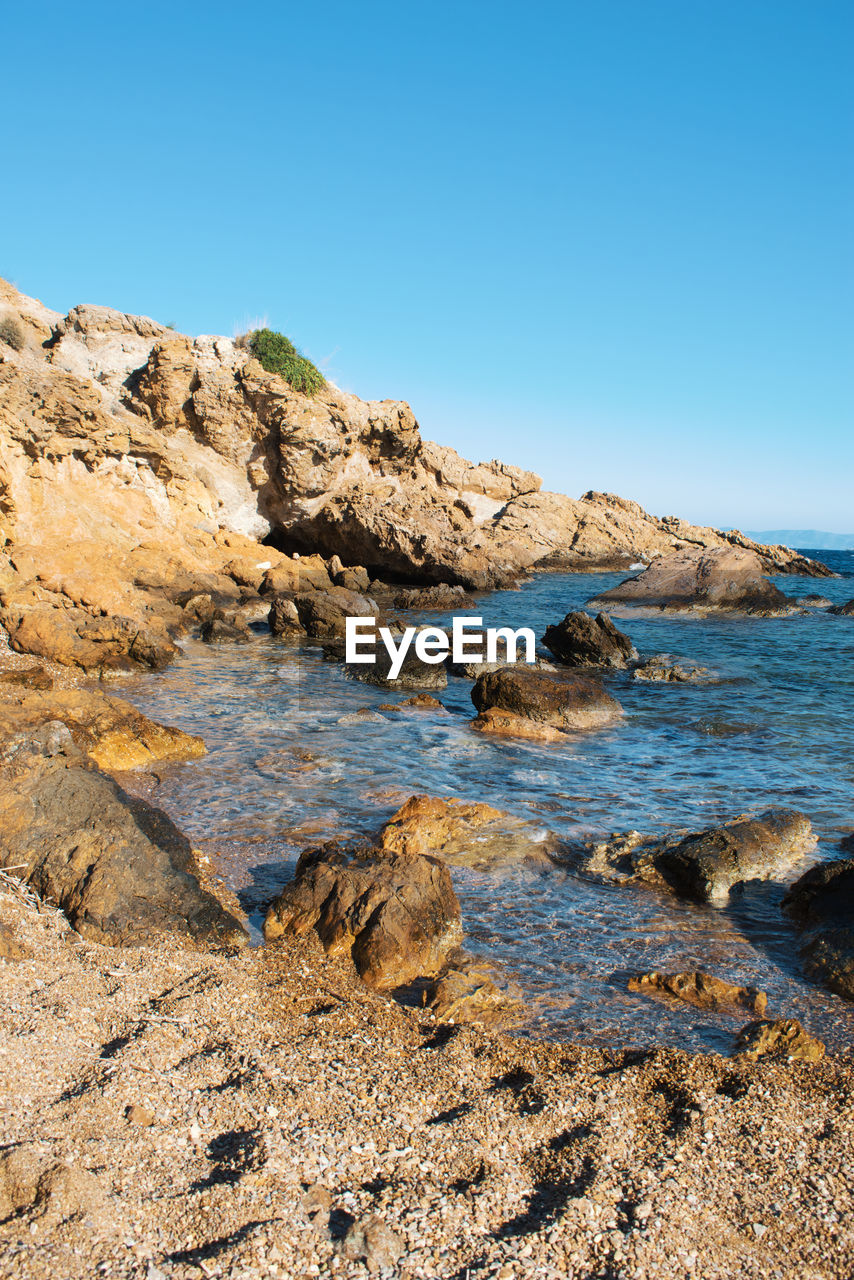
<point>131,455</point>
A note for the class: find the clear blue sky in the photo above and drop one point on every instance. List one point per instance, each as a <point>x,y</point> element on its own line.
<point>610,240</point>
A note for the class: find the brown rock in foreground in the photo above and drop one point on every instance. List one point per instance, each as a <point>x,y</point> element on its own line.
<point>724,578</point>
<point>703,990</point>
<point>707,864</point>
<point>783,1039</point>
<point>564,702</point>
<point>119,869</point>
<point>822,902</point>
<point>582,641</point>
<point>395,915</point>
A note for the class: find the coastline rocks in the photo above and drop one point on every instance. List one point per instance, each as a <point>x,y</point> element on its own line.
<point>659,671</point>
<point>118,868</point>
<point>702,990</point>
<point>76,639</point>
<point>706,865</point>
<point>323,615</point>
<point>544,701</point>
<point>822,903</point>
<point>112,733</point>
<point>396,916</point>
<point>843,610</point>
<point>414,674</point>
<point>723,578</point>
<point>463,833</point>
<point>466,992</point>
<point>582,641</point>
<point>785,1038</point>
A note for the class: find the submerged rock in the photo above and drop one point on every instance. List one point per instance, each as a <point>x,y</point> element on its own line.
<point>395,915</point>
<point>843,610</point>
<point>119,868</point>
<point>782,1039</point>
<point>722,578</point>
<point>822,903</point>
<point>414,674</point>
<point>464,834</point>
<point>707,864</point>
<point>703,990</point>
<point>559,702</point>
<point>582,641</point>
<point>466,992</point>
<point>658,670</point>
<point>112,732</point>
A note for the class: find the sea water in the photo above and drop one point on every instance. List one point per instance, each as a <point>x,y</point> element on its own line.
<point>775,728</point>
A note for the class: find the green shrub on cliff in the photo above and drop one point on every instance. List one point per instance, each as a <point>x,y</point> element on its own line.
<point>279,355</point>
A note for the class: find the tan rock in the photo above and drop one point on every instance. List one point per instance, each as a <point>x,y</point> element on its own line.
<point>783,1039</point>
<point>507,724</point>
<point>463,833</point>
<point>703,990</point>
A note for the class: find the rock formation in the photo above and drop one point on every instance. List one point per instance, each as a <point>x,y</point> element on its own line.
<point>140,467</point>
<point>395,915</point>
<point>464,833</point>
<point>582,641</point>
<point>521,702</point>
<point>720,578</point>
<point>702,990</point>
<point>119,869</point>
<point>822,902</point>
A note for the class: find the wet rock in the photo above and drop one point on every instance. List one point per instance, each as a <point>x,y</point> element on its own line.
<point>371,1241</point>
<point>843,610</point>
<point>822,903</point>
<point>418,702</point>
<point>284,617</point>
<point>563,702</point>
<point>466,992</point>
<point>414,674</point>
<point>507,724</point>
<point>660,671</point>
<point>703,990</point>
<point>364,715</point>
<point>707,864</point>
<point>722,578</point>
<point>783,1039</point>
<point>323,614</point>
<point>396,916</point>
<point>118,867</point>
<point>112,733</point>
<point>464,834</point>
<point>30,677</point>
<point>814,602</point>
<point>582,641</point>
<point>225,630</point>
<point>76,639</point>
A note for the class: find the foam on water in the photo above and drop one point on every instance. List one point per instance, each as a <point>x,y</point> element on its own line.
<point>777,729</point>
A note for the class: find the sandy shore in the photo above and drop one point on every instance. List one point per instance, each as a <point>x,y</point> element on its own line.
<point>167,1113</point>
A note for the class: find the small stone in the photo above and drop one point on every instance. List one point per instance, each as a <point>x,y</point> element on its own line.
<point>139,1116</point>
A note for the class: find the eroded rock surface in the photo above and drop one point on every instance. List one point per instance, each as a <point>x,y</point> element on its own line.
<point>702,990</point>
<point>822,902</point>
<point>785,1039</point>
<point>119,869</point>
<point>547,702</point>
<point>464,834</point>
<point>395,915</point>
<point>723,578</point>
<point>583,641</point>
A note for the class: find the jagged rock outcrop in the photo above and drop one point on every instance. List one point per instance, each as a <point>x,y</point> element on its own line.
<point>464,833</point>
<point>119,868</point>
<point>582,641</point>
<point>395,915</point>
<point>133,457</point>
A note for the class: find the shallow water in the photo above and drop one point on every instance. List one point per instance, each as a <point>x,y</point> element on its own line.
<point>778,729</point>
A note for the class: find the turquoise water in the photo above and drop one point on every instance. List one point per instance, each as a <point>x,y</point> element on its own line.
<point>776,729</point>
